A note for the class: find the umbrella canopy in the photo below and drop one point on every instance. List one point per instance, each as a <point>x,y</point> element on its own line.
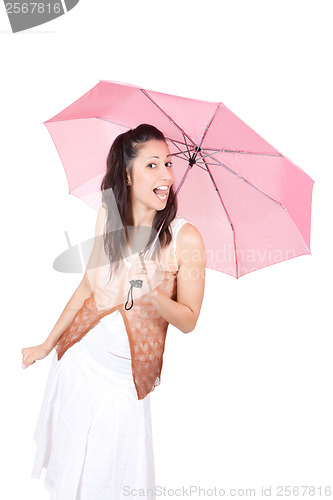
<point>251,204</point>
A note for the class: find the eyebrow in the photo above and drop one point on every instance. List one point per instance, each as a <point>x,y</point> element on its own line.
<point>155,156</point>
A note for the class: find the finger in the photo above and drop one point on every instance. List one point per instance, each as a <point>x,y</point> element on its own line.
<point>28,363</point>
<point>138,270</point>
<point>25,360</point>
<point>150,268</point>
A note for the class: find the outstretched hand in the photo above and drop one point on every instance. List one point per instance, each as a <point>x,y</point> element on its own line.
<point>32,354</point>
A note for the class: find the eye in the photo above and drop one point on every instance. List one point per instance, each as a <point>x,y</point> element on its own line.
<point>151,164</point>
<point>169,164</point>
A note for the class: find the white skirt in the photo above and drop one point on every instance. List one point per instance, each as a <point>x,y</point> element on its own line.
<point>93,435</point>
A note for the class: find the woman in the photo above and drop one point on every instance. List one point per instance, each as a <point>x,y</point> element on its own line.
<point>94,430</point>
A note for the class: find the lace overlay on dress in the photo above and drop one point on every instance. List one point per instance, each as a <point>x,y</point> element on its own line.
<point>145,327</point>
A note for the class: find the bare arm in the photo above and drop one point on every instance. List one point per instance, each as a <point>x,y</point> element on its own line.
<point>83,291</point>
<point>75,303</point>
<point>184,313</point>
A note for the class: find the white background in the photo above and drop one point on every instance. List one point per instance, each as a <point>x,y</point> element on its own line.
<point>245,399</point>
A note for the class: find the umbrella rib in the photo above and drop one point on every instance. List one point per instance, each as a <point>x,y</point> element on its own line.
<point>184,157</point>
<point>206,155</point>
<point>260,191</point>
<point>175,140</point>
<point>174,143</point>
<point>241,152</point>
<point>226,212</point>
<point>171,140</point>
<point>209,124</point>
<point>196,164</point>
<point>168,116</point>
<point>180,153</point>
<point>110,121</point>
<point>245,180</point>
<point>188,151</point>
<point>179,142</point>
<point>183,144</point>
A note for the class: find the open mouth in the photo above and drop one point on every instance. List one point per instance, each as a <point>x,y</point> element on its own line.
<point>161,192</point>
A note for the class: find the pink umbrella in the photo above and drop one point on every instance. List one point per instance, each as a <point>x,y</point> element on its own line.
<point>251,204</point>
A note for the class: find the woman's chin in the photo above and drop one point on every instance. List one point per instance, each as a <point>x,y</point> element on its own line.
<point>161,202</point>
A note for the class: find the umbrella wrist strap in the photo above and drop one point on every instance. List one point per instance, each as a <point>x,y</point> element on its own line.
<point>137,284</point>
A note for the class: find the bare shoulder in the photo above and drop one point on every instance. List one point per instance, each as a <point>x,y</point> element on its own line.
<point>190,244</point>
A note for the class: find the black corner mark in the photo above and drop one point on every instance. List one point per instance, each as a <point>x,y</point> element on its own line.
<point>26,14</point>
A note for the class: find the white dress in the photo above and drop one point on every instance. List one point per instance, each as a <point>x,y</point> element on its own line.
<point>93,434</point>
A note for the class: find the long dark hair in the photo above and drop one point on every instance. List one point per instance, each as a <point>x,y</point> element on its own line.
<point>114,189</point>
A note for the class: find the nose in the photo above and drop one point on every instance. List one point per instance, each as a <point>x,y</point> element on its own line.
<point>167,174</point>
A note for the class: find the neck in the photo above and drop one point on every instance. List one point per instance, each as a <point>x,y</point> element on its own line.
<point>141,214</point>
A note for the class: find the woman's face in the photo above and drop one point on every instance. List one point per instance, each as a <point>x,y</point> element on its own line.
<point>152,168</point>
